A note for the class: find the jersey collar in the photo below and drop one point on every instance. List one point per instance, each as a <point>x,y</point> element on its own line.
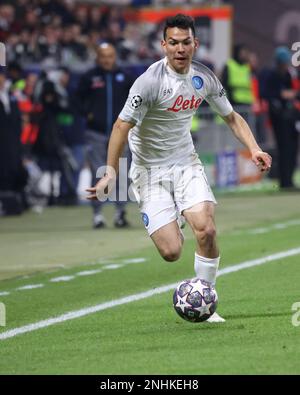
<point>172,72</point>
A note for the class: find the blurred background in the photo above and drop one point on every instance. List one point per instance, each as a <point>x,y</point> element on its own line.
<point>51,45</point>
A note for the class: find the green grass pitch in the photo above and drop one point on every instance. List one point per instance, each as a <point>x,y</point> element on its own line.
<point>74,267</point>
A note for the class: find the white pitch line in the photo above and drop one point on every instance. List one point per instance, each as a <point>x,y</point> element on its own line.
<point>62,278</point>
<point>112,266</point>
<point>259,261</point>
<point>267,229</point>
<point>31,286</point>
<point>134,260</point>
<point>88,272</point>
<point>4,293</point>
<point>133,298</point>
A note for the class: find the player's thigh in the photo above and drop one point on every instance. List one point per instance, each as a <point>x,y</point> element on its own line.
<point>156,202</point>
<point>159,219</point>
<point>201,217</point>
<point>158,211</point>
<point>192,188</point>
<point>168,241</point>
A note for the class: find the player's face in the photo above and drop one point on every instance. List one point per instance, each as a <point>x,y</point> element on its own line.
<point>106,57</point>
<point>179,47</point>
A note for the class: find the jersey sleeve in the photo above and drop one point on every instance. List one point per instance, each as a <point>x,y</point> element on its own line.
<point>138,101</point>
<point>217,98</point>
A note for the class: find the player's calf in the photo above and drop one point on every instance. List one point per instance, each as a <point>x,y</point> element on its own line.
<point>206,239</point>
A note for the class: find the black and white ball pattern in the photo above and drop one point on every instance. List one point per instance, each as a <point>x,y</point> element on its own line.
<point>136,101</point>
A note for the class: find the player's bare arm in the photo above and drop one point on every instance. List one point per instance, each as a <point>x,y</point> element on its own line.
<point>117,141</point>
<point>242,131</point>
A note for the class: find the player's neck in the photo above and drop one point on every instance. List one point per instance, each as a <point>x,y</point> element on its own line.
<point>181,73</point>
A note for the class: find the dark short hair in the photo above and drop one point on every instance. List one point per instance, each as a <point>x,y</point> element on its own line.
<point>181,21</point>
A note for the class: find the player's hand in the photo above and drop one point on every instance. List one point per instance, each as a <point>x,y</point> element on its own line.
<point>102,189</point>
<point>262,160</point>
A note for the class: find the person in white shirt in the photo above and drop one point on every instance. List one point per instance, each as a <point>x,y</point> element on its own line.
<point>168,177</point>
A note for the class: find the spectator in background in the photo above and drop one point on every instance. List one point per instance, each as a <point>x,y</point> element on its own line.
<point>29,112</point>
<point>115,15</point>
<point>15,74</point>
<point>50,148</point>
<point>32,20</point>
<point>72,48</point>
<point>82,18</point>
<point>21,48</point>
<point>49,8</point>
<point>236,77</point>
<point>276,88</point>
<point>51,34</point>
<point>49,47</point>
<point>259,106</point>
<point>141,3</point>
<point>13,176</point>
<point>21,8</point>
<point>102,92</point>
<point>97,19</point>
<point>72,127</point>
<point>8,23</point>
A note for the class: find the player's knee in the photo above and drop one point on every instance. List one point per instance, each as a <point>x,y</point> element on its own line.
<point>171,254</point>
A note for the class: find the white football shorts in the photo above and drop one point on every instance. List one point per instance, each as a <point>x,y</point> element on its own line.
<point>165,191</point>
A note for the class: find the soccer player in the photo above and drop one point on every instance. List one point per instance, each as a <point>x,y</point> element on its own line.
<point>168,177</point>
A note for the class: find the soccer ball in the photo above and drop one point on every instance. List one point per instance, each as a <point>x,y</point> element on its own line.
<point>195,300</point>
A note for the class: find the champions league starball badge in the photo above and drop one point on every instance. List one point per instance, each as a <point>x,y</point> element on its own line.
<point>197,82</point>
<point>136,101</point>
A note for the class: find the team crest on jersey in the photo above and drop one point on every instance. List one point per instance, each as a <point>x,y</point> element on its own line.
<point>145,219</point>
<point>197,82</point>
<point>136,101</point>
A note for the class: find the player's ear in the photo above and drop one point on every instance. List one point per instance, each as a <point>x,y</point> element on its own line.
<point>163,45</point>
<point>197,44</point>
